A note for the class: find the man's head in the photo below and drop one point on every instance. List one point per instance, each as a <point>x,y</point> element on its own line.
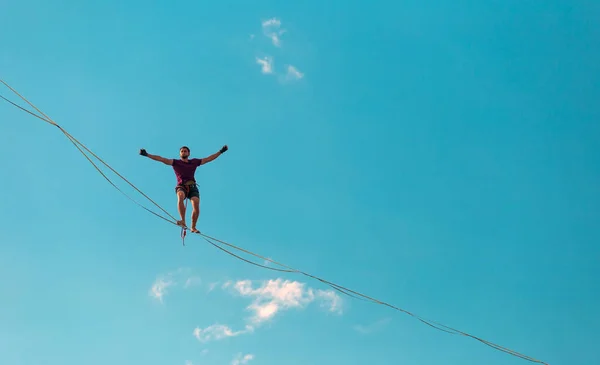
<point>184,152</point>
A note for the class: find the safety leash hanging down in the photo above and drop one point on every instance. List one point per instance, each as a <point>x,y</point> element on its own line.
<point>209,239</point>
<point>183,228</point>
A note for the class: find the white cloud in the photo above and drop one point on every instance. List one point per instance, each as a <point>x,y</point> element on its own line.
<point>188,362</point>
<point>191,281</point>
<point>204,352</point>
<point>159,288</point>
<point>266,64</point>
<point>182,275</point>
<point>241,360</point>
<point>293,73</point>
<point>275,296</point>
<point>331,300</point>
<point>218,332</point>
<point>272,29</point>
<point>212,286</point>
<point>268,299</point>
<point>271,22</point>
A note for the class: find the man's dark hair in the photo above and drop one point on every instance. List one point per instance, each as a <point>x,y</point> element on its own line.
<point>186,147</point>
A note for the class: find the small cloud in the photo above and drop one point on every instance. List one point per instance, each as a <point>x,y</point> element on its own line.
<point>269,299</point>
<point>275,296</point>
<point>241,360</point>
<point>212,286</point>
<point>272,29</point>
<point>159,288</point>
<point>331,300</point>
<point>252,36</point>
<point>266,63</point>
<point>182,275</point>
<point>273,22</point>
<point>370,328</point>
<point>204,352</point>
<point>194,280</point>
<point>218,332</point>
<point>188,362</point>
<point>293,73</point>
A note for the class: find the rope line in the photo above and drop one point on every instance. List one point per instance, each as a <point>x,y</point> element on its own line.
<point>243,259</point>
<point>116,187</point>
<point>49,120</point>
<point>289,269</point>
<point>75,142</point>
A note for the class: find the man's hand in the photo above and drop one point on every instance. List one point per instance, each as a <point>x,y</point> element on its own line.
<point>214,155</point>
<point>143,152</point>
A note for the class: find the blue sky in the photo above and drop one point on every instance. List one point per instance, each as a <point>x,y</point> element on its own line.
<point>437,155</point>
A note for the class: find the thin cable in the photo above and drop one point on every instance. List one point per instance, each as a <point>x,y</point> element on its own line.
<point>243,259</point>
<point>28,111</point>
<point>75,143</point>
<point>290,269</point>
<point>333,286</point>
<point>49,120</point>
<point>340,288</point>
<point>435,325</point>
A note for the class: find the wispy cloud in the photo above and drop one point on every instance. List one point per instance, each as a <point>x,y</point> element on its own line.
<point>272,29</point>
<point>159,287</point>
<point>293,74</point>
<point>273,22</point>
<point>241,360</point>
<point>331,300</point>
<point>372,327</point>
<point>269,298</point>
<point>212,286</point>
<point>266,64</point>
<point>275,296</point>
<point>218,332</point>
<point>192,281</point>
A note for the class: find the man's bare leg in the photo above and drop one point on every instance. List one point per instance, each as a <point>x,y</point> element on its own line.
<point>195,212</point>
<point>181,207</point>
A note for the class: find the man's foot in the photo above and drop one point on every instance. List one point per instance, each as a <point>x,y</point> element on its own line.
<point>194,230</point>
<point>181,223</point>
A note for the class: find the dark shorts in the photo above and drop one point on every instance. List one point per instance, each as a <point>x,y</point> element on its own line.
<point>189,190</point>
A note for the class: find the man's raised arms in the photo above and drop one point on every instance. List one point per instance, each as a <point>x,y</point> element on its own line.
<point>214,155</point>
<point>166,161</point>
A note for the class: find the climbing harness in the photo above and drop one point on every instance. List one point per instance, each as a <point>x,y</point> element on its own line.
<point>186,187</point>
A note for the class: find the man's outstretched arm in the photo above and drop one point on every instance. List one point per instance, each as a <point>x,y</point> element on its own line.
<point>166,161</point>
<point>214,155</point>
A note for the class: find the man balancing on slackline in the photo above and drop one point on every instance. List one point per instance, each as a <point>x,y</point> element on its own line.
<point>185,168</point>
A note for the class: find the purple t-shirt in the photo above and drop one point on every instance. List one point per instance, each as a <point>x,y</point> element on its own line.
<point>184,171</point>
